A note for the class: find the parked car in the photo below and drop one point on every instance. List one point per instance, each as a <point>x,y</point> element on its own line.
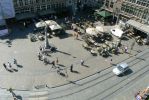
<point>120,69</point>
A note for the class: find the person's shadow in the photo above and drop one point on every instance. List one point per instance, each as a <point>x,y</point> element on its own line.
<point>16,97</point>
<point>20,66</point>
<point>85,65</point>
<point>19,97</point>
<point>61,65</point>
<point>74,71</point>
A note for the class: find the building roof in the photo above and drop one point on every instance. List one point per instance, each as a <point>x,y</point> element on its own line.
<point>142,27</point>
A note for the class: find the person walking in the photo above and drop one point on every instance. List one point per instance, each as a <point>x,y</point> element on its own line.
<point>57,61</point>
<point>71,68</point>
<point>40,48</point>
<point>53,64</point>
<point>45,61</point>
<point>111,60</point>
<point>9,64</point>
<point>82,62</point>
<point>43,57</point>
<point>126,49</point>
<point>77,35</point>
<point>39,56</point>
<point>15,61</point>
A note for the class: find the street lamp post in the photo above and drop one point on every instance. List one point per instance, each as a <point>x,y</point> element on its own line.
<point>46,39</point>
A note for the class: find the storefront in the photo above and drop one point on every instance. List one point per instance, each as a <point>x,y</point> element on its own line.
<point>141,29</point>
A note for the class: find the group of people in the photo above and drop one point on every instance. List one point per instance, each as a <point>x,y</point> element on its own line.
<point>63,71</point>
<point>42,57</point>
<point>55,63</point>
<point>8,66</point>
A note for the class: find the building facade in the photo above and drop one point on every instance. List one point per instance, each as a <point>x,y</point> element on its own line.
<point>14,8</point>
<point>6,10</point>
<point>131,9</point>
<point>93,3</point>
<point>34,6</point>
<point>24,8</point>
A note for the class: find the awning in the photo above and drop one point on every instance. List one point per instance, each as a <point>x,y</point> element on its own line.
<point>139,26</point>
<point>103,14</point>
<point>50,22</point>
<point>23,16</point>
<point>55,27</point>
<point>46,12</point>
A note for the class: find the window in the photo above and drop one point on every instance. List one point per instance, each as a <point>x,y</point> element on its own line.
<point>38,8</point>
<point>48,0</point>
<point>43,1</point>
<point>32,9</point>
<point>37,1</point>
<point>48,6</point>
<point>26,2</point>
<point>26,10</point>
<point>70,1</point>
<point>20,3</point>
<point>43,7</point>
<point>30,1</point>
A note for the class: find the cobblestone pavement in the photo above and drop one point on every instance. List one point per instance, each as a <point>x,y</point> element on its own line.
<point>33,73</point>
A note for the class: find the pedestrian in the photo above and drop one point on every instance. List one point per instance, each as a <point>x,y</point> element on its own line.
<point>58,71</point>
<point>53,64</point>
<point>111,61</point>
<point>57,61</point>
<point>39,56</point>
<point>126,49</point>
<point>9,64</point>
<point>15,61</point>
<point>45,61</point>
<point>76,35</point>
<point>132,45</point>
<point>82,62</point>
<point>40,48</point>
<point>136,94</point>
<point>71,68</point>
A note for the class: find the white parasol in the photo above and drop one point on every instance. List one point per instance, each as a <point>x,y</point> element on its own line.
<point>91,31</point>
<point>117,32</point>
<point>55,27</point>
<point>40,24</point>
<point>99,29</point>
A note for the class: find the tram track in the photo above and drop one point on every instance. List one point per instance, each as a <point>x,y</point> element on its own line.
<point>136,61</point>
<point>142,68</point>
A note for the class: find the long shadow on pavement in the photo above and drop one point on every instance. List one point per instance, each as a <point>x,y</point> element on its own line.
<point>64,52</point>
